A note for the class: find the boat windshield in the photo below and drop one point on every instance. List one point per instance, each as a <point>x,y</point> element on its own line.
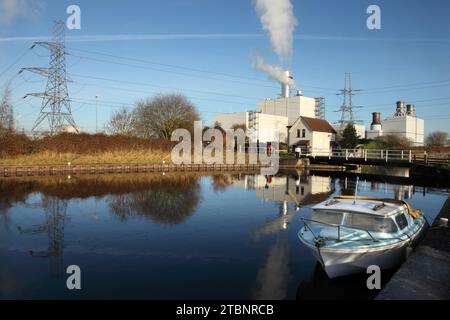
<point>361,221</point>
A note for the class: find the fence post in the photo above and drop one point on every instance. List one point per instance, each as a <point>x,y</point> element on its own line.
<point>381,154</point>
<point>425,157</point>
<point>365,155</point>
<point>387,152</point>
<point>346,154</point>
<point>402,154</point>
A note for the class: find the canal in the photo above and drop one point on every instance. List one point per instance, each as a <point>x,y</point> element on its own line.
<point>175,236</point>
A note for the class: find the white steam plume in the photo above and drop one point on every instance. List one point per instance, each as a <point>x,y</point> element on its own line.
<point>274,72</point>
<point>12,9</point>
<point>277,18</point>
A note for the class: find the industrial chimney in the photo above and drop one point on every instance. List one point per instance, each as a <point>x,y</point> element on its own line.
<point>285,88</point>
<point>410,110</point>
<point>399,110</point>
<point>376,121</point>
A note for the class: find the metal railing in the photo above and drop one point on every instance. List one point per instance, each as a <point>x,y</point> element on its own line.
<point>338,226</point>
<point>385,155</point>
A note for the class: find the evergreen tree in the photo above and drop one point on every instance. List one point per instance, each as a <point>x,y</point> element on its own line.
<point>349,137</point>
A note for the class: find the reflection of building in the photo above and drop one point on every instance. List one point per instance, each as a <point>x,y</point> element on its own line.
<point>302,190</point>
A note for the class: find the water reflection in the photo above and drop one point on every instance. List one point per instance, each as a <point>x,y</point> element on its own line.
<point>273,278</point>
<point>319,287</point>
<point>165,204</point>
<point>248,220</point>
<point>55,220</point>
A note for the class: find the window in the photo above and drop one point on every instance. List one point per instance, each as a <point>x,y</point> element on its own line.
<point>303,133</point>
<point>370,223</point>
<point>298,133</point>
<point>326,216</point>
<point>401,221</point>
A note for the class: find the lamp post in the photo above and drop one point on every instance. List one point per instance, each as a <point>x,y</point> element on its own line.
<point>96,113</point>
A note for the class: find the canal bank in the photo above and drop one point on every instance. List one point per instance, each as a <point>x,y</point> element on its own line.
<point>426,273</point>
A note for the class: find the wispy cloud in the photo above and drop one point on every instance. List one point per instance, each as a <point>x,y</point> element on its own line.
<point>208,36</point>
<point>12,9</point>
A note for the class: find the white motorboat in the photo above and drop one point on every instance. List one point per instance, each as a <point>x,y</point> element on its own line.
<point>347,234</point>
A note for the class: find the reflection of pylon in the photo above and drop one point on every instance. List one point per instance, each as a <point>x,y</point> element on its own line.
<point>55,219</point>
<point>347,116</point>
<point>55,106</point>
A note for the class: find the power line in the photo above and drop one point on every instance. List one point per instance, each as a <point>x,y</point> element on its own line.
<point>14,62</point>
<point>406,89</point>
<point>406,85</point>
<point>185,68</point>
<point>124,105</point>
<point>162,87</point>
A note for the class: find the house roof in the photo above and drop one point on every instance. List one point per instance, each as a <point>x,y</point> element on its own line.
<point>319,125</point>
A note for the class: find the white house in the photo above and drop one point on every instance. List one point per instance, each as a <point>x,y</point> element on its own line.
<point>312,134</point>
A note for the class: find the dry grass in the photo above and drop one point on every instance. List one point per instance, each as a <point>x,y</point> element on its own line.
<point>109,157</point>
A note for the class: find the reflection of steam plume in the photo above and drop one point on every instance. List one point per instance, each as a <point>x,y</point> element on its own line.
<point>277,18</point>
<point>273,278</point>
<point>274,72</point>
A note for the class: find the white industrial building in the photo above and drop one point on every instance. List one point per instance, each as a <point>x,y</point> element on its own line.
<point>403,123</point>
<point>290,107</point>
<point>273,116</point>
<point>267,127</point>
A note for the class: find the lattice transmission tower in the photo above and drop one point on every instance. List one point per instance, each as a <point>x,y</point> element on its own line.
<point>347,115</point>
<point>55,107</point>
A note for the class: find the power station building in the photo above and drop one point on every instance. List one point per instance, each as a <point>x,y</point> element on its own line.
<point>273,117</point>
<point>403,123</point>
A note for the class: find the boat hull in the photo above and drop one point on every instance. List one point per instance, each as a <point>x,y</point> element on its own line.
<point>343,262</point>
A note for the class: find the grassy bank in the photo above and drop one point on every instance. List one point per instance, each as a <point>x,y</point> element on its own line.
<point>18,149</point>
<point>112,157</point>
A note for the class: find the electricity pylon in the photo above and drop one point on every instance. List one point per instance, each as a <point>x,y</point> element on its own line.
<point>55,106</point>
<point>346,109</point>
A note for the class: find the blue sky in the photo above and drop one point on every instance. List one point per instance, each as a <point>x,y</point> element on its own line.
<point>408,59</point>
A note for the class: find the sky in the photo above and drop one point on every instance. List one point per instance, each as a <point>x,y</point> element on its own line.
<point>130,50</point>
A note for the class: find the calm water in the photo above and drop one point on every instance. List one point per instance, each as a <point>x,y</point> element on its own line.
<point>174,236</point>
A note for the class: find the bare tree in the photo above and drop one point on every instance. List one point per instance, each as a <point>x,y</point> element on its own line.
<point>437,139</point>
<point>122,122</point>
<point>159,116</point>
<point>6,111</point>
